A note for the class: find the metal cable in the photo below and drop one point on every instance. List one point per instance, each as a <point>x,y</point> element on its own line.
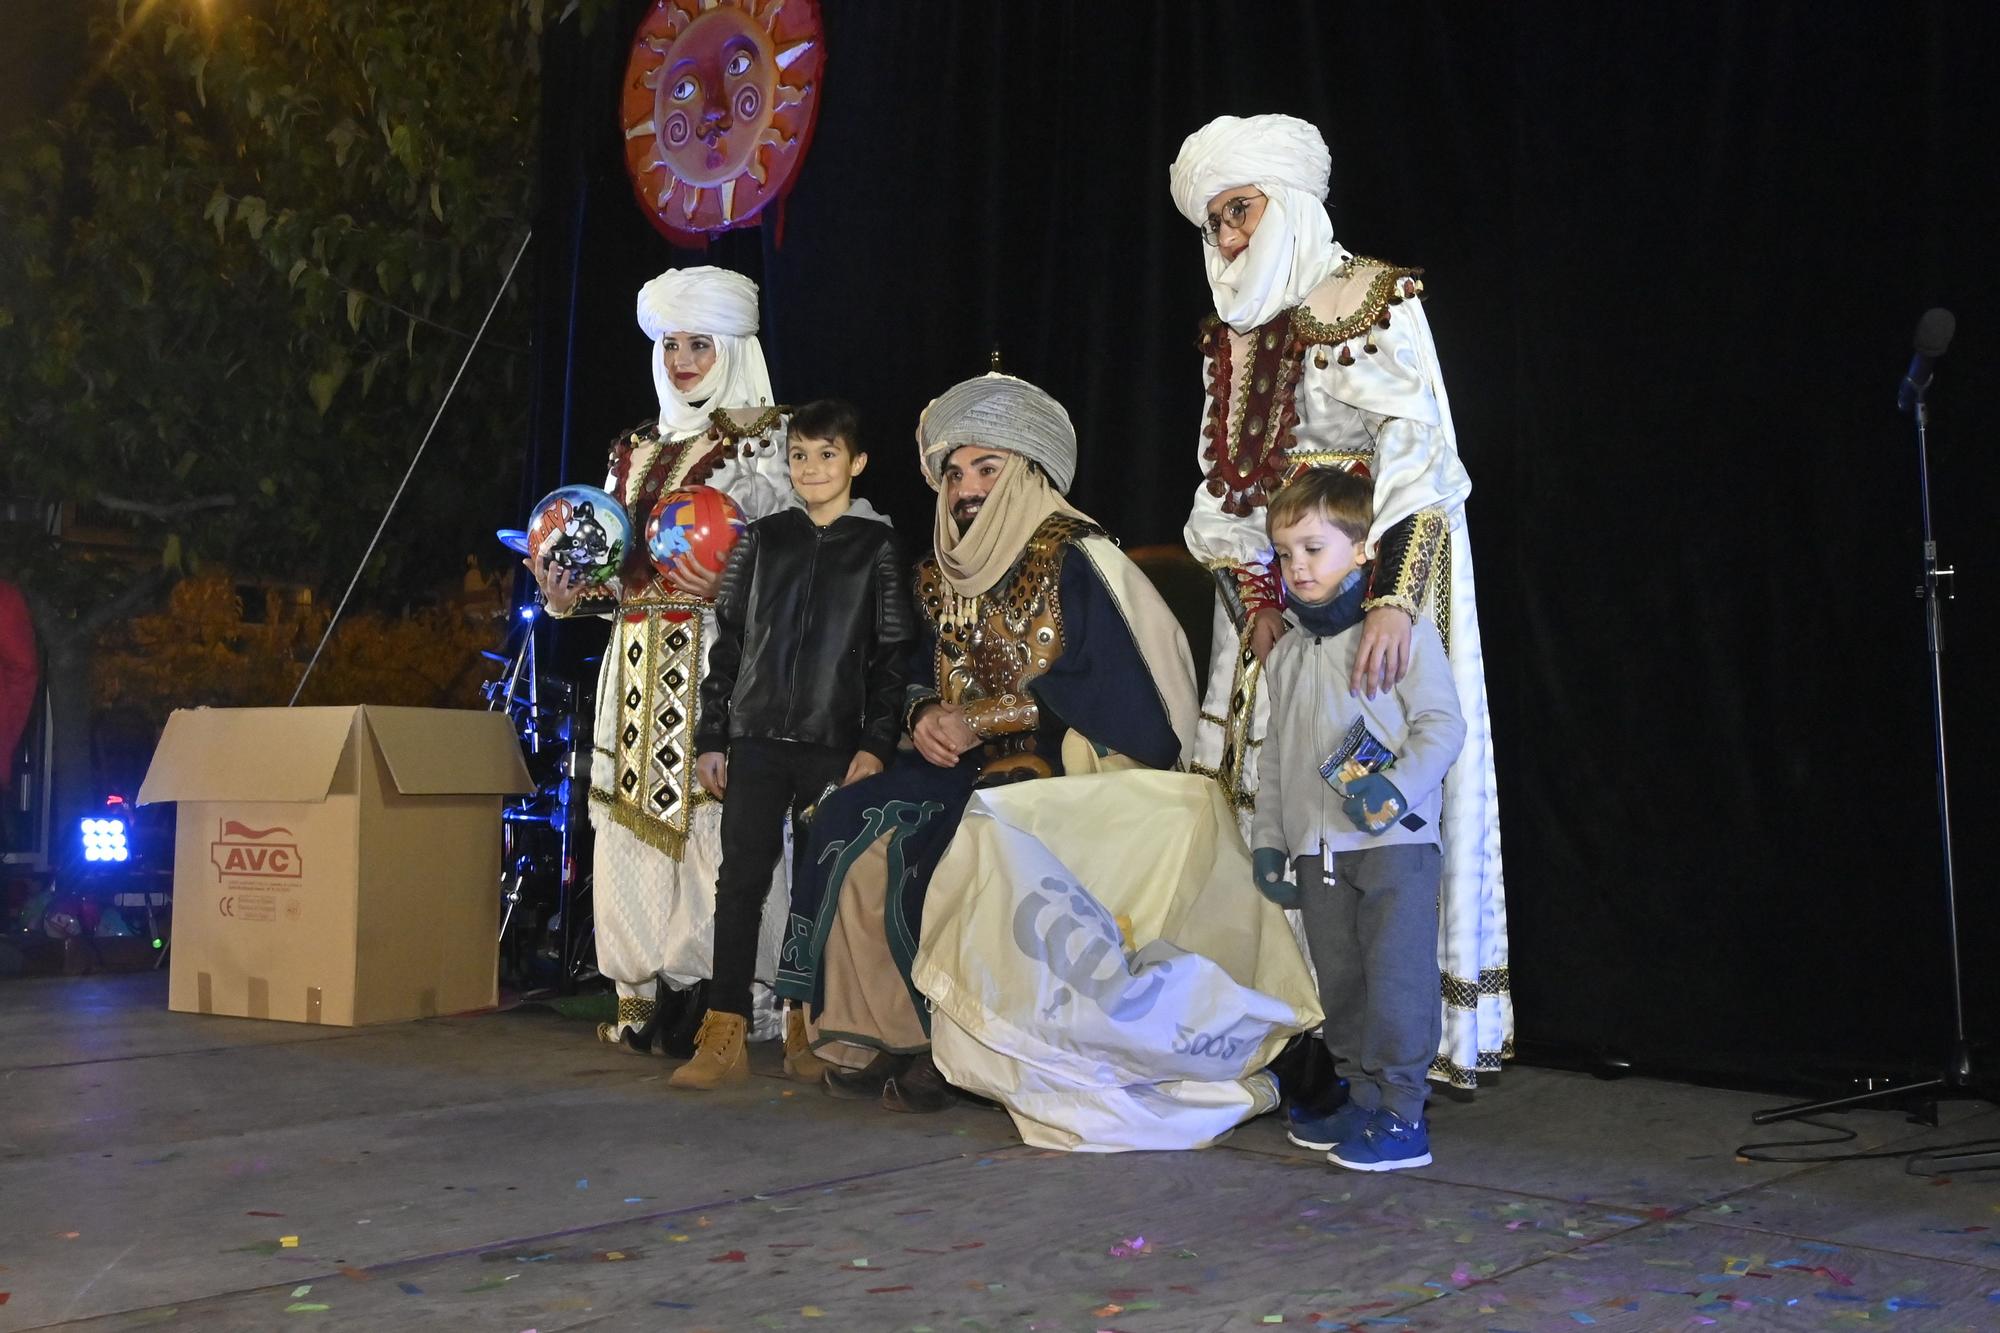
<point>409,472</point>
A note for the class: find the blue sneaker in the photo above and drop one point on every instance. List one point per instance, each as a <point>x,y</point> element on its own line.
<point>1320,1132</point>
<point>1386,1143</point>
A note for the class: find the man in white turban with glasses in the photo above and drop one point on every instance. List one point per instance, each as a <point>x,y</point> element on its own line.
<point>1041,648</point>
<point>658,833</point>
<point>1315,357</point>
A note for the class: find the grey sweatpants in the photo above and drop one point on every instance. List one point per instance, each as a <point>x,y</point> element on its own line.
<point>1372,930</point>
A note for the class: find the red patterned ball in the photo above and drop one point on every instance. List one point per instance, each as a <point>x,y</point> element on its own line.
<point>697,521</point>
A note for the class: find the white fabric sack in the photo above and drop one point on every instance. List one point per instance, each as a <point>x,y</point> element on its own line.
<point>1053,1113</point>
<point>1098,1039</point>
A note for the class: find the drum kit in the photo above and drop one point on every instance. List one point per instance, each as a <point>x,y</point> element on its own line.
<point>545,932</point>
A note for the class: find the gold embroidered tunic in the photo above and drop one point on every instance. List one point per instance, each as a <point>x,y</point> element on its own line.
<point>643,777</point>
<point>992,647</point>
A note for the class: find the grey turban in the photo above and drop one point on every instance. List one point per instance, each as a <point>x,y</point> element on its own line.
<point>1003,413</point>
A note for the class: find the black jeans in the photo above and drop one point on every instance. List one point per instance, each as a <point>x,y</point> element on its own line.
<point>766,779</point>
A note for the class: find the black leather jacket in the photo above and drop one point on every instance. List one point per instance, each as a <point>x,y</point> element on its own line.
<point>814,625</point>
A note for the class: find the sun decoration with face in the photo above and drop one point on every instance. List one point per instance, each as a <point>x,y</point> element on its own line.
<point>719,103</point>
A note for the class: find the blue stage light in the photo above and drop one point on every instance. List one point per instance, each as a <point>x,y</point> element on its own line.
<point>104,840</point>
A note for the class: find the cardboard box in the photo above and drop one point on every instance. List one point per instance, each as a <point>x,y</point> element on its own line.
<point>335,865</point>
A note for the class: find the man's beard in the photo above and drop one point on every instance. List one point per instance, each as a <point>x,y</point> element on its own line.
<point>965,511</point>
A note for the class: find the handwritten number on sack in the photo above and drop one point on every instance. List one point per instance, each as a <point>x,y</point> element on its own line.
<point>1217,1044</point>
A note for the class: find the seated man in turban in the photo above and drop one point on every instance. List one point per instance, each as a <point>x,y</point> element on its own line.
<point>1034,629</point>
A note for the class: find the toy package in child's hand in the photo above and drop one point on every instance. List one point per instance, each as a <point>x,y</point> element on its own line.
<point>1357,755</point>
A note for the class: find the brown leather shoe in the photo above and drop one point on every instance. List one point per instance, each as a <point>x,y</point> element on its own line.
<point>920,1089</point>
<point>720,1056</point>
<point>800,1062</point>
<point>864,1084</point>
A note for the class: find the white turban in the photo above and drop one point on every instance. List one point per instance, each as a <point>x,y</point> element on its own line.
<point>723,305</point>
<point>701,300</point>
<point>1001,412</point>
<point>1292,250</point>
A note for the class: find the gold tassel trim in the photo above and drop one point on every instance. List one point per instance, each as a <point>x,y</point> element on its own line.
<point>650,831</point>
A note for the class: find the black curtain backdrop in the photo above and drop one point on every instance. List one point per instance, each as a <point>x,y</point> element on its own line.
<point>1674,256</point>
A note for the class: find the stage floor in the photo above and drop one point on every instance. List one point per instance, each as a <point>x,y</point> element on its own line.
<point>506,1172</point>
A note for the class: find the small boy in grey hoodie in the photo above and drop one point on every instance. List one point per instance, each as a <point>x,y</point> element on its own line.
<point>1350,790</point>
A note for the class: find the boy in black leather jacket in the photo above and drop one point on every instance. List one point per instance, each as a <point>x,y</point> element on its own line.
<point>804,691</point>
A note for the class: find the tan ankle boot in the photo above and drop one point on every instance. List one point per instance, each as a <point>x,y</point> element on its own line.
<point>800,1062</point>
<point>720,1056</point>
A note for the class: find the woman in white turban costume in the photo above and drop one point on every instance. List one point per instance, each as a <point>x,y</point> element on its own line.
<point>658,833</point>
<point>1315,357</point>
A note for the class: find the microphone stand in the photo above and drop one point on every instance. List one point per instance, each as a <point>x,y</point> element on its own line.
<point>1956,1078</point>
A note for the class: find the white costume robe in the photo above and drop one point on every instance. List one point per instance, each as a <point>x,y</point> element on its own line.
<point>1368,395</point>
<point>658,833</point>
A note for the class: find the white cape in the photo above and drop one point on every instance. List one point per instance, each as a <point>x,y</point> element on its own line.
<point>1099,962</point>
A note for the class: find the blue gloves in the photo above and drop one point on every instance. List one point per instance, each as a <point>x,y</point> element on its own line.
<point>1267,867</point>
<point>1373,802</point>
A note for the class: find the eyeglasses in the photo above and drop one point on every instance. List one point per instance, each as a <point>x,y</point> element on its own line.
<point>1233,215</point>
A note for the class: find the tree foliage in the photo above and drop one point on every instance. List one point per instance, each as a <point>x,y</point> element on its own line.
<point>199,651</point>
<point>238,270</point>
<point>241,266</point>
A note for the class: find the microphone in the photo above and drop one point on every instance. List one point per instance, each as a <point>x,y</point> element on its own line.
<point>1934,332</point>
